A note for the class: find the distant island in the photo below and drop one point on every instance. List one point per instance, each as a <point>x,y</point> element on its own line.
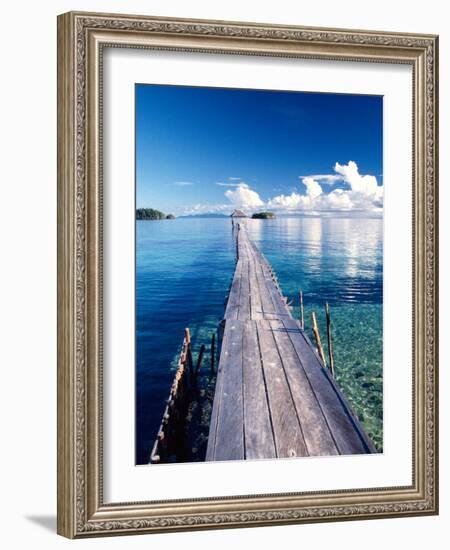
<point>152,214</point>
<point>206,215</point>
<point>263,216</point>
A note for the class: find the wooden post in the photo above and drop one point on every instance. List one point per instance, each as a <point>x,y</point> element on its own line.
<point>330,341</point>
<point>302,319</point>
<point>189,352</point>
<point>213,351</point>
<point>200,359</point>
<point>183,352</point>
<point>317,335</point>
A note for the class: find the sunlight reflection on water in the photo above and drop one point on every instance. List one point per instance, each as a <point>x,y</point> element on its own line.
<point>184,268</point>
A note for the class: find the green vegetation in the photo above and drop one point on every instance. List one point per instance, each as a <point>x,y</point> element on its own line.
<point>152,214</point>
<point>263,216</point>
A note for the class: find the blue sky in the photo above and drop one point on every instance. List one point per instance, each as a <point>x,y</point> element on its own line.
<point>214,149</point>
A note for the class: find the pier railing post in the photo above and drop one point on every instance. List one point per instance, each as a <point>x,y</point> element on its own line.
<point>318,341</point>
<point>199,360</point>
<point>302,319</point>
<point>189,353</point>
<point>329,338</point>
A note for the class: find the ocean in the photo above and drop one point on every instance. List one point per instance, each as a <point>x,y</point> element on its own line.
<point>184,268</point>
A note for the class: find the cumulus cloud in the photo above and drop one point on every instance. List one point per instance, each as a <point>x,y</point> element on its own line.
<point>362,184</point>
<point>294,201</point>
<point>243,197</point>
<point>222,184</point>
<point>358,193</point>
<point>363,193</point>
<point>313,189</point>
<point>324,178</point>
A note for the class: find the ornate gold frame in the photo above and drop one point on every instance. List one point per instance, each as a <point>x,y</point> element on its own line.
<point>81,38</point>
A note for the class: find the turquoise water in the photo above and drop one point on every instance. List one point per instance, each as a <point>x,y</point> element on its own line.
<point>184,268</point>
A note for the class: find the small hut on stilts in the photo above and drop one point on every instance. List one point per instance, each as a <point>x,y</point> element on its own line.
<point>237,214</point>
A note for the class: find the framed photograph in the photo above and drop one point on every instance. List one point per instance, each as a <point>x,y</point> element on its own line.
<point>247,283</point>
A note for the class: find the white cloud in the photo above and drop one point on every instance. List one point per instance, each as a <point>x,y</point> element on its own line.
<point>294,201</point>
<point>364,193</point>
<point>313,189</point>
<point>337,200</point>
<point>222,184</point>
<point>361,194</point>
<point>243,197</point>
<point>325,178</point>
<point>362,184</point>
<point>183,183</point>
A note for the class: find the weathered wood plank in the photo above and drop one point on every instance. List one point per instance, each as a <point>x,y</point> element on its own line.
<point>232,309</point>
<point>229,442</point>
<point>347,431</point>
<point>259,439</point>
<point>340,393</point>
<point>316,431</point>
<point>216,401</point>
<point>244,298</point>
<point>287,432</point>
<point>255,294</point>
<point>279,307</point>
<point>268,307</point>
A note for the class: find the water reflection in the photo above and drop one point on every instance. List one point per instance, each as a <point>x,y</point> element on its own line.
<point>183,271</point>
<point>335,258</point>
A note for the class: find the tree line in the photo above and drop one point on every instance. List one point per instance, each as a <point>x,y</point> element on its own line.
<point>152,214</point>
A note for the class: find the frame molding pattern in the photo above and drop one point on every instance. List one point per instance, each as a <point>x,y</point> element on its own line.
<point>74,519</point>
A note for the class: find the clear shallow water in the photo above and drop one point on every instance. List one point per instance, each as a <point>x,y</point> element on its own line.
<point>184,268</point>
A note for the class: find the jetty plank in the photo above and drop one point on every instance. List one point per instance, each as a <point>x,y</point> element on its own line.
<point>257,311</point>
<point>259,438</point>
<point>244,297</point>
<point>217,400</point>
<point>318,436</point>
<point>345,426</point>
<point>273,397</point>
<point>279,305</point>
<point>266,299</point>
<point>288,435</point>
<point>232,310</point>
<point>229,435</point>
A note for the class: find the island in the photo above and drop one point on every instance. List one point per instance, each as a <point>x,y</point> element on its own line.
<point>206,215</point>
<point>263,216</point>
<point>152,214</point>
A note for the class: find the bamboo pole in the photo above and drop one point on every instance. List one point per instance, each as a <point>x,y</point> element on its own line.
<point>189,351</point>
<point>213,351</point>
<point>200,359</point>
<point>302,318</point>
<point>317,335</point>
<point>329,338</point>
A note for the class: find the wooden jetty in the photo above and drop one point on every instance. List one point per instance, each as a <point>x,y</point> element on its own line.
<point>273,397</point>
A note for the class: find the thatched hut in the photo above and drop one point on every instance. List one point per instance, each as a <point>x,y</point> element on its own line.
<point>238,214</point>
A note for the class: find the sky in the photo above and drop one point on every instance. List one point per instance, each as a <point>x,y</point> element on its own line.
<point>202,150</point>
